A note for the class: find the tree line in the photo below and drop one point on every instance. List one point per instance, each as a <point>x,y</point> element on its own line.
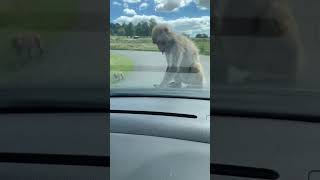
<point>140,29</point>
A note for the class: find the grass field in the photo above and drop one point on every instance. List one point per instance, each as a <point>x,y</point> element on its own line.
<point>45,17</point>
<point>120,64</point>
<point>145,44</point>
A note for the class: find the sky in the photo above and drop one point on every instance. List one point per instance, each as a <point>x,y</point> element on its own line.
<point>185,16</point>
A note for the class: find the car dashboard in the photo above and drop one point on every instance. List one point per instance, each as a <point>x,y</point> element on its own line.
<point>159,138</point>
<point>54,146</point>
<point>284,148</point>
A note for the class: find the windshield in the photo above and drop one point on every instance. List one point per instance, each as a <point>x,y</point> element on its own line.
<point>267,56</point>
<point>52,52</point>
<point>160,48</point>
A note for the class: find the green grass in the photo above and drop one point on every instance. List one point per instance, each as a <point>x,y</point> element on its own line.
<point>145,44</point>
<point>121,64</point>
<point>203,45</point>
<point>124,43</point>
<point>45,17</point>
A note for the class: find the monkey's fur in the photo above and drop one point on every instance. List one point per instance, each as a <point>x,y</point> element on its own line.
<point>258,37</point>
<point>183,63</point>
<point>26,41</point>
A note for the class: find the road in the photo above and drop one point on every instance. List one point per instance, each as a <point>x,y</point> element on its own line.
<point>149,68</point>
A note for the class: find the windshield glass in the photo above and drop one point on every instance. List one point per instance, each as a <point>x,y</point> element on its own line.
<point>52,52</point>
<point>267,56</point>
<point>160,47</point>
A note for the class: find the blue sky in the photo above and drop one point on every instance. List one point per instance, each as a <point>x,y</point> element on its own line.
<point>188,16</point>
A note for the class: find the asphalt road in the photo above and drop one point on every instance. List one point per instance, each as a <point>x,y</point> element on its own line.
<point>150,67</point>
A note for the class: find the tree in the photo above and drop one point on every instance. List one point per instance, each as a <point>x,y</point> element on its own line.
<point>145,29</point>
<point>129,29</point>
<point>139,30</point>
<point>121,31</point>
<point>113,30</point>
<point>152,24</point>
<point>185,34</point>
<point>117,27</point>
<point>201,36</point>
<point>124,25</point>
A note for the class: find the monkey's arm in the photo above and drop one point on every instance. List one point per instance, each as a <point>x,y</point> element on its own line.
<point>172,69</point>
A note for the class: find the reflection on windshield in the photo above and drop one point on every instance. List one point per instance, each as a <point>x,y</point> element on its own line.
<point>51,45</point>
<point>267,43</point>
<point>270,50</point>
<point>158,51</point>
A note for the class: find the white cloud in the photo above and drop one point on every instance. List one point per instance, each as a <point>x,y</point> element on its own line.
<point>202,8</point>
<point>131,1</point>
<point>136,19</point>
<point>203,4</point>
<point>143,6</point>
<point>116,3</point>
<point>170,5</point>
<point>125,5</point>
<point>191,26</point>
<point>129,12</point>
<point>174,5</point>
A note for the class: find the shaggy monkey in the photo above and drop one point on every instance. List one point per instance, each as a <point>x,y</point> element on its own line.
<point>255,41</point>
<point>183,64</point>
<point>25,42</point>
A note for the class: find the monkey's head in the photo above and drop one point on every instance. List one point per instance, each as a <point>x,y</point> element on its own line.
<point>162,36</point>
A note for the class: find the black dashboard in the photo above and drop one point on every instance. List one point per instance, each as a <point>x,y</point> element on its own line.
<point>287,147</point>
<point>159,138</point>
<point>54,146</point>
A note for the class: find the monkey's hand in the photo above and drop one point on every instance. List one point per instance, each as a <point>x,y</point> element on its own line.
<point>159,86</point>
<point>175,85</point>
